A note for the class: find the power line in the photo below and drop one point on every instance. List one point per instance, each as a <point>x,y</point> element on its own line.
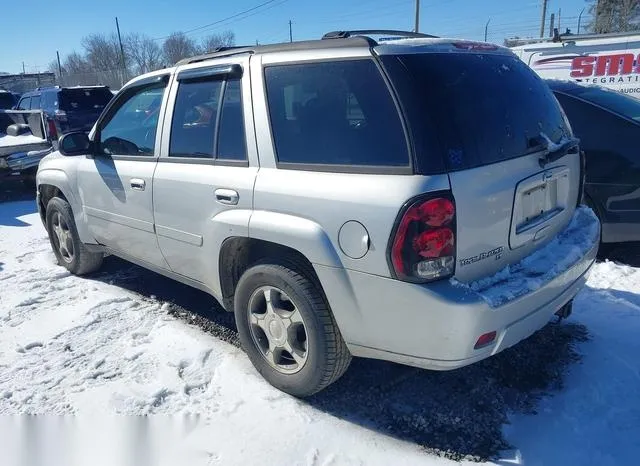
<point>228,22</point>
<point>222,20</point>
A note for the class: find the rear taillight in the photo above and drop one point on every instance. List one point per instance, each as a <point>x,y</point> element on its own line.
<point>583,175</point>
<point>53,132</point>
<point>424,244</point>
<point>61,115</point>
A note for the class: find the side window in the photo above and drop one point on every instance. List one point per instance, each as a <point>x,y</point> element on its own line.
<point>609,142</point>
<point>231,136</point>
<point>195,124</point>
<point>334,113</point>
<point>35,102</point>
<point>48,99</point>
<point>24,103</point>
<point>131,130</point>
<point>195,114</point>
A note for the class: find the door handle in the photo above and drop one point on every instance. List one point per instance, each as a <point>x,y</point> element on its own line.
<point>227,196</point>
<point>138,184</point>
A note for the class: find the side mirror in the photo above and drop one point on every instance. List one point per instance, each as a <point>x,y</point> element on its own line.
<point>76,143</point>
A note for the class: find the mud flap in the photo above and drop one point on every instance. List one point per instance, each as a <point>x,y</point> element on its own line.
<point>565,311</point>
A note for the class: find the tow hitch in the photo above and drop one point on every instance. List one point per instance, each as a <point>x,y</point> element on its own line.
<point>565,311</point>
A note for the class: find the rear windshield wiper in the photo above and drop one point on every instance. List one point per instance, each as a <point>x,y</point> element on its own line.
<point>554,151</point>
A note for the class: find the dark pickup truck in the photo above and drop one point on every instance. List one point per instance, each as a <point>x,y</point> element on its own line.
<point>24,141</point>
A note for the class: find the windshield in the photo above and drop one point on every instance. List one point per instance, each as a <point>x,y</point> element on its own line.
<point>6,100</point>
<point>611,100</point>
<point>84,99</point>
<point>478,108</point>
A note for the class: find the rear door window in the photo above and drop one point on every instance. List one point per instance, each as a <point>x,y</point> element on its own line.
<point>480,108</point>
<point>87,99</point>
<point>35,102</point>
<point>195,116</point>
<point>24,103</point>
<point>334,114</point>
<point>231,136</point>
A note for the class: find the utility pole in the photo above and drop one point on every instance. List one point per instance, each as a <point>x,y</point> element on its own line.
<point>23,71</point>
<point>59,67</point>
<point>559,13</point>
<point>486,29</point>
<point>580,19</point>
<point>121,53</point>
<point>290,32</point>
<point>417,28</point>
<point>552,21</point>
<point>544,18</point>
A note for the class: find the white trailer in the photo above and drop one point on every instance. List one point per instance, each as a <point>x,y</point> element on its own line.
<point>608,60</point>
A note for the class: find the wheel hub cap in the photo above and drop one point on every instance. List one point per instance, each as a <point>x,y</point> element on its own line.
<point>63,237</point>
<point>277,329</point>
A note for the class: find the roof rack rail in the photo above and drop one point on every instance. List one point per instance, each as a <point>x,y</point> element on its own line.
<point>212,53</point>
<point>367,32</point>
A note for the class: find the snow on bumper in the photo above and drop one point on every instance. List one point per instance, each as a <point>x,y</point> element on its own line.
<point>542,266</point>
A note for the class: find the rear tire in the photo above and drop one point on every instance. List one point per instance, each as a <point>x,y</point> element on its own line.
<point>71,253</point>
<point>299,317</point>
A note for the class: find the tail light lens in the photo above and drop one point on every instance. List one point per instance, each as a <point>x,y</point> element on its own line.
<point>424,243</point>
<point>53,132</point>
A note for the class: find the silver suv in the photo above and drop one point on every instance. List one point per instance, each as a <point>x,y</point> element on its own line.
<point>414,200</point>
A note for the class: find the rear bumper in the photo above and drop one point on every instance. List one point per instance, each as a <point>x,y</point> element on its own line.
<point>436,326</point>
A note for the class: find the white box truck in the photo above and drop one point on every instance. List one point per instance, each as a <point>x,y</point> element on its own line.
<point>608,60</point>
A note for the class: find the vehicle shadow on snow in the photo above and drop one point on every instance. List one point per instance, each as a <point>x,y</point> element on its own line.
<point>16,200</point>
<point>624,253</point>
<point>10,213</point>
<point>457,414</point>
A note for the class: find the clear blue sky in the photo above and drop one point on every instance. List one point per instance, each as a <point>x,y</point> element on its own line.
<point>62,27</point>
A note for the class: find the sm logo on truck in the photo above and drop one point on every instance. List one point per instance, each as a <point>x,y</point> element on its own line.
<point>605,65</point>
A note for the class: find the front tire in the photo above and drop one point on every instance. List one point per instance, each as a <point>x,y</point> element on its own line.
<point>70,252</point>
<point>287,329</point>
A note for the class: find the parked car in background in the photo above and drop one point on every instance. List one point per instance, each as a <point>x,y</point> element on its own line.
<point>8,100</point>
<point>67,109</point>
<point>608,126</point>
<point>24,141</point>
<point>400,200</point>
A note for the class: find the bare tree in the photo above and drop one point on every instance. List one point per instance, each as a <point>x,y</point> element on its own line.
<point>102,52</point>
<point>614,15</point>
<point>178,46</point>
<point>75,63</point>
<point>144,53</point>
<point>224,39</point>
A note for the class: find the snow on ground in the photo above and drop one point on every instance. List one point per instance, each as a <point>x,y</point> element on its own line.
<point>92,347</point>
<point>596,418</point>
<point>78,345</point>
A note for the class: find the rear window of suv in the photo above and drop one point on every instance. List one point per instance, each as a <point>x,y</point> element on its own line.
<point>474,109</point>
<point>84,99</point>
